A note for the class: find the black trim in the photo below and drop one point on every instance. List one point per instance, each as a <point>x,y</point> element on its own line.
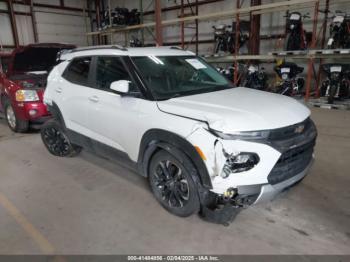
<point>136,77</point>
<point>100,149</point>
<point>156,139</point>
<point>56,114</point>
<point>81,49</point>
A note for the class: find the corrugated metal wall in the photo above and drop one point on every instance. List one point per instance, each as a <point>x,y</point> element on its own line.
<point>53,25</point>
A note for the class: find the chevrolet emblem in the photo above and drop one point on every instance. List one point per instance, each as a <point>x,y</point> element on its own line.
<point>299,129</point>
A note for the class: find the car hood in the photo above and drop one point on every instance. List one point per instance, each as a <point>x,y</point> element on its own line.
<point>238,109</point>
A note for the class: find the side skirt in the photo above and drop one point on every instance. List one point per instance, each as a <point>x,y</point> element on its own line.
<point>101,150</point>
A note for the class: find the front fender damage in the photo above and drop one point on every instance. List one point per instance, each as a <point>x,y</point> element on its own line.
<point>217,208</point>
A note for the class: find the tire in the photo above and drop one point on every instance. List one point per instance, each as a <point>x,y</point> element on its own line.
<point>332,92</point>
<point>15,124</point>
<point>172,184</point>
<point>56,141</point>
<point>292,42</point>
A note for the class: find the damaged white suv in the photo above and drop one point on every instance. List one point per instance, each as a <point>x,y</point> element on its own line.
<point>203,145</point>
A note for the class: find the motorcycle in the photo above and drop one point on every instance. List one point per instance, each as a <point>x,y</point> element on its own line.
<point>119,17</point>
<point>291,85</point>
<point>225,40</point>
<point>256,78</point>
<point>339,31</point>
<point>133,17</point>
<point>336,86</point>
<point>296,35</point>
<point>135,42</point>
<point>227,72</point>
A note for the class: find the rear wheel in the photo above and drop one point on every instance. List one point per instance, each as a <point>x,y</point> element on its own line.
<point>172,185</point>
<point>15,124</point>
<point>56,141</point>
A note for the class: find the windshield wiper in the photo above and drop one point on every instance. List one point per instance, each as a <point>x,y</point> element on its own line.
<point>174,96</point>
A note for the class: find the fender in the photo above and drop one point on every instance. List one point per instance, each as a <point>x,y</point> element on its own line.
<point>156,139</point>
<point>56,113</point>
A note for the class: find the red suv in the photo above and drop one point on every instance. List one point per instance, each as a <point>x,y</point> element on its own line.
<point>23,76</point>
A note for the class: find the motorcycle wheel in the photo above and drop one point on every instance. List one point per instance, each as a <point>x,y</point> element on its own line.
<point>292,42</point>
<point>332,91</point>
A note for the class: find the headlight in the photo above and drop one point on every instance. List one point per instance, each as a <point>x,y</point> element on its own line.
<point>284,76</point>
<point>248,135</point>
<point>23,95</point>
<point>239,163</point>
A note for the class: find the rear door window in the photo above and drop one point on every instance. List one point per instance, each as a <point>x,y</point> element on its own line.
<point>78,71</point>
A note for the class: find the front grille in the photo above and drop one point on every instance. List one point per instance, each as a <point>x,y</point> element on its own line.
<point>292,162</point>
<point>289,131</point>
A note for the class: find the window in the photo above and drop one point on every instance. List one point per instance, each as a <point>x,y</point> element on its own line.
<point>78,71</point>
<point>110,69</point>
<point>4,62</point>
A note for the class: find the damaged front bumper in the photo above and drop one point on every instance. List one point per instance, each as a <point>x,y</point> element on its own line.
<point>223,210</point>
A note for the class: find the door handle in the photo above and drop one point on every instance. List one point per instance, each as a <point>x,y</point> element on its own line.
<point>93,99</point>
<point>58,90</point>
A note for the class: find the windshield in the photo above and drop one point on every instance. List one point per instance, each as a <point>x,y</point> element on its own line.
<point>174,76</point>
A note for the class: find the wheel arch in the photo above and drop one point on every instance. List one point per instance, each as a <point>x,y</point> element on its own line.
<point>3,97</point>
<point>56,114</point>
<point>156,139</point>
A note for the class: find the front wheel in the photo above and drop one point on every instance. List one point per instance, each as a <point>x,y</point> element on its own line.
<point>56,141</point>
<point>332,92</point>
<point>172,185</point>
<point>14,123</point>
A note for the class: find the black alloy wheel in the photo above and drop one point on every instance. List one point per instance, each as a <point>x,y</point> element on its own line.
<point>172,185</point>
<point>56,141</point>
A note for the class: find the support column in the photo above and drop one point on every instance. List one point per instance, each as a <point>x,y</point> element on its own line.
<point>254,36</point>
<point>313,44</point>
<point>158,18</point>
<point>13,22</point>
<point>35,30</point>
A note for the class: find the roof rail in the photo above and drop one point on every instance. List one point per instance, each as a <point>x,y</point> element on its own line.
<point>99,47</point>
<point>176,47</point>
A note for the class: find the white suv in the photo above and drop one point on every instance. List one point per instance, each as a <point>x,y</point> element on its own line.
<point>201,143</point>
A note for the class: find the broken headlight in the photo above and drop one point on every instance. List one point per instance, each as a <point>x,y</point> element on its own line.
<point>239,163</point>
<point>246,135</point>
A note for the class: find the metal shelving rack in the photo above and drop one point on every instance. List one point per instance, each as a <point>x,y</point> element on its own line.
<point>254,12</point>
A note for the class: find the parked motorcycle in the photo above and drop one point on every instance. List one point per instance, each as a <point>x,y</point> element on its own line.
<point>256,78</point>
<point>339,31</point>
<point>229,72</point>
<point>133,17</point>
<point>336,86</point>
<point>225,39</point>
<point>135,42</point>
<point>119,17</point>
<point>290,85</point>
<point>296,35</point>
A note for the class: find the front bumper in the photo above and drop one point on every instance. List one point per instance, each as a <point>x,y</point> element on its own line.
<point>267,192</point>
<point>31,111</point>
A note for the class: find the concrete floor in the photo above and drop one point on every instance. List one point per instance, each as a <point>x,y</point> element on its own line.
<point>86,205</point>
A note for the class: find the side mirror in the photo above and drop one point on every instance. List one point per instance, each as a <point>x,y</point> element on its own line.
<point>120,86</point>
